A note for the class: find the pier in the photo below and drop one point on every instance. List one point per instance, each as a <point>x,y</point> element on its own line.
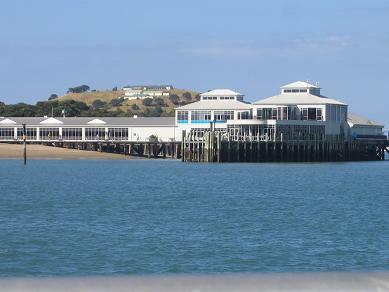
<point>217,146</point>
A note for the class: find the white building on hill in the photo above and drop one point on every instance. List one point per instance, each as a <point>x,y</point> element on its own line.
<point>146,91</point>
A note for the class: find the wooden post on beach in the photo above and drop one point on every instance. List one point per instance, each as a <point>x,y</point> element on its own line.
<point>24,144</point>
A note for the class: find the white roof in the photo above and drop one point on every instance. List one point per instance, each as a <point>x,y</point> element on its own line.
<point>7,121</point>
<point>299,84</point>
<point>353,119</point>
<point>216,105</point>
<point>296,99</point>
<point>51,121</point>
<point>221,92</point>
<point>96,121</point>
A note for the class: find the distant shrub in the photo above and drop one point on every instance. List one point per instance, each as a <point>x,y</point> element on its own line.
<point>79,89</point>
<point>116,102</point>
<point>53,96</point>
<point>174,99</point>
<point>159,101</point>
<point>187,95</point>
<point>98,104</point>
<point>147,102</point>
<point>135,107</point>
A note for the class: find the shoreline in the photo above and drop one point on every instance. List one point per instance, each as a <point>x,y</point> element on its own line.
<point>34,151</point>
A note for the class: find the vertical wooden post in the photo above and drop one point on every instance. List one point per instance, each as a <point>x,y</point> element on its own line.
<point>24,145</point>
<point>183,146</point>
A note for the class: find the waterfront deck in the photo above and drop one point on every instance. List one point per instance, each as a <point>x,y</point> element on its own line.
<point>214,147</point>
<point>147,149</point>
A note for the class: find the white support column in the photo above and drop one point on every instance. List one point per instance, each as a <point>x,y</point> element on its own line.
<point>60,133</point>
<point>106,134</point>
<point>15,133</point>
<point>83,134</point>
<point>37,134</point>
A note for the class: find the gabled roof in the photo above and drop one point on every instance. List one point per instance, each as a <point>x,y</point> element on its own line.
<point>7,121</point>
<point>51,121</point>
<point>299,84</point>
<point>221,92</point>
<point>96,121</point>
<point>216,105</point>
<point>300,98</point>
<point>356,120</point>
<point>110,121</point>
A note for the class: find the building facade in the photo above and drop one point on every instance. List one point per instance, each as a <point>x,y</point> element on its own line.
<point>298,112</point>
<point>88,129</point>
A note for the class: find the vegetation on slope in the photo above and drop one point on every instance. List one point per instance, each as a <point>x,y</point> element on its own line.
<point>100,104</point>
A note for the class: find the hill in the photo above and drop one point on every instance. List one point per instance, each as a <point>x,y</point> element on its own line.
<point>104,103</point>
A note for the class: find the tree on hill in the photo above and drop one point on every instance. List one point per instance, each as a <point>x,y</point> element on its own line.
<point>187,95</point>
<point>53,96</point>
<point>147,102</point>
<point>174,99</point>
<point>79,89</point>
<point>134,107</point>
<point>154,112</point>
<point>116,102</point>
<point>98,104</point>
<point>159,101</point>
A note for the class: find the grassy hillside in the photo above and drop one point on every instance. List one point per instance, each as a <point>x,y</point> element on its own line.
<point>90,97</point>
<point>112,103</point>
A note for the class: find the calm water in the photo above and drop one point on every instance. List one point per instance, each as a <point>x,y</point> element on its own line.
<point>147,217</point>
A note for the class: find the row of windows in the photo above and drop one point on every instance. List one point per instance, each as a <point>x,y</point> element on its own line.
<point>218,115</point>
<point>336,113</point>
<point>220,97</point>
<point>182,115</point>
<point>223,115</point>
<point>6,133</point>
<point>201,115</point>
<point>289,113</point>
<point>295,90</point>
<point>209,97</point>
<point>72,133</point>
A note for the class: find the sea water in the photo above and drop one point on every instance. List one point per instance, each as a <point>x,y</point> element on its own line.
<point>76,218</point>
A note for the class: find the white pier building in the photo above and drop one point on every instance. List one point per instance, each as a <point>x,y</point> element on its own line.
<point>299,112</point>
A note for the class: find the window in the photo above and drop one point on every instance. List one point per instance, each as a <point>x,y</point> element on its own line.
<point>267,113</point>
<point>30,133</point>
<point>118,134</point>
<point>259,114</point>
<point>311,114</point>
<point>319,114</point>
<point>6,133</point>
<point>200,116</point>
<point>49,133</point>
<point>274,114</point>
<point>95,133</point>
<point>224,115</point>
<point>72,134</point>
<point>245,115</point>
<point>182,116</point>
<point>304,114</point>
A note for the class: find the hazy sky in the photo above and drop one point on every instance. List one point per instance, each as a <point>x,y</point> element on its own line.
<point>253,47</point>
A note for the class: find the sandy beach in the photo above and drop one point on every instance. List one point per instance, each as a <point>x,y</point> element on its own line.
<point>15,151</point>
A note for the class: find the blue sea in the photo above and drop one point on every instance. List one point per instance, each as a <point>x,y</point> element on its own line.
<point>77,218</point>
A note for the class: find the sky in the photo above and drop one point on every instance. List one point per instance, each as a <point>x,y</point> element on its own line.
<point>253,47</point>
